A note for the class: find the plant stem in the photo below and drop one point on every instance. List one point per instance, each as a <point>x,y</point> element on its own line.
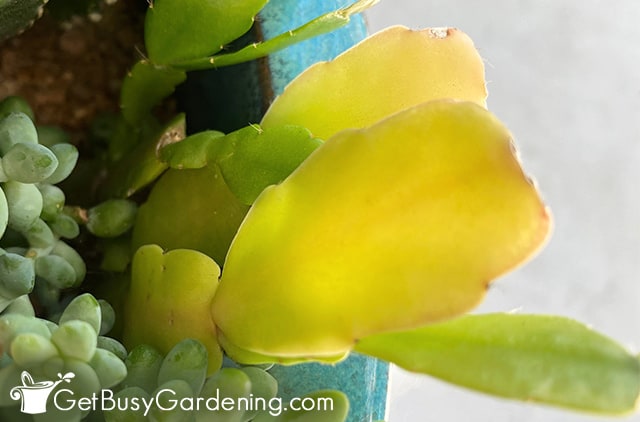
<point>321,25</point>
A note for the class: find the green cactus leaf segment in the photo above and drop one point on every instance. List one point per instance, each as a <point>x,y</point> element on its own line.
<point>183,30</point>
<point>321,25</point>
<point>193,152</point>
<point>546,359</point>
<point>257,159</point>
<point>167,218</point>
<point>144,87</point>
<point>250,159</point>
<point>141,166</point>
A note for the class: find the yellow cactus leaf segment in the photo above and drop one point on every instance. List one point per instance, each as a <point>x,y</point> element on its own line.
<point>167,218</point>
<point>381,229</point>
<point>170,299</point>
<point>390,71</point>
<point>246,357</point>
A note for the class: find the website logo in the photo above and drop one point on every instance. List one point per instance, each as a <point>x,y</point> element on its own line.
<point>34,395</point>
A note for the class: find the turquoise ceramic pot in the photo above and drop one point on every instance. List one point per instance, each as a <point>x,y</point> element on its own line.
<point>229,98</point>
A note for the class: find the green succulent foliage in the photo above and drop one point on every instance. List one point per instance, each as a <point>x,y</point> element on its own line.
<point>187,361</point>
<point>33,224</point>
<point>74,347</point>
<point>547,359</point>
<point>143,365</point>
<point>17,15</point>
<point>183,371</point>
<point>15,104</point>
<point>18,277</point>
<point>67,156</point>
<point>111,218</point>
<point>236,384</point>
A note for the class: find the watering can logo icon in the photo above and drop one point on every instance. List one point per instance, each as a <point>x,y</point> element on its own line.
<point>34,395</point>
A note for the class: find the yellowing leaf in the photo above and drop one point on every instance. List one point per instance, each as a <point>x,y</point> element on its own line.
<point>381,229</point>
<point>246,357</point>
<point>390,71</point>
<point>190,209</point>
<point>169,300</point>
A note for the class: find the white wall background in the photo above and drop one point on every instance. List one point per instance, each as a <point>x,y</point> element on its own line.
<point>564,76</point>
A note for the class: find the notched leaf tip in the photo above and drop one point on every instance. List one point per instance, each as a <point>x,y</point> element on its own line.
<point>440,33</point>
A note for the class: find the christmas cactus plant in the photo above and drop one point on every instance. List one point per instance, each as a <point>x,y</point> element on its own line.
<point>366,212</point>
